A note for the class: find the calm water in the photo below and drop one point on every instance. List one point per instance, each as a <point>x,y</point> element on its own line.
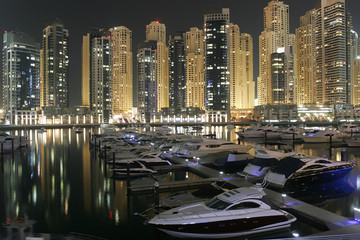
<point>59,181</point>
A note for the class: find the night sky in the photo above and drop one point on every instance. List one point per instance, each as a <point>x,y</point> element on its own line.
<point>78,15</point>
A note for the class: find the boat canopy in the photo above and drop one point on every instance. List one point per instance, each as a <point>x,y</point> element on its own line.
<point>288,166</point>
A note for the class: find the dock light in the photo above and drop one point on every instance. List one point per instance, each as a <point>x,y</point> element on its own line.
<point>357,214</point>
<point>283,197</point>
<point>295,234</point>
<point>221,173</point>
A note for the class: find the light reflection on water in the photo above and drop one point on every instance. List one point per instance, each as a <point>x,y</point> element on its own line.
<point>61,184</point>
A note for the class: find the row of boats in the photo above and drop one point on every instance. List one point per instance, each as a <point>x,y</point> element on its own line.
<point>348,133</point>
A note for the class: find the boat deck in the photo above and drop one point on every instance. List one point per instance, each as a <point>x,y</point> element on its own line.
<point>330,223</point>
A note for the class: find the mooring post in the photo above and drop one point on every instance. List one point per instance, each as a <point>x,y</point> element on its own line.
<point>12,145</point>
<point>330,146</point>
<point>156,194</point>
<point>128,177</point>
<point>265,138</point>
<point>343,158</point>
<point>105,152</point>
<point>2,148</point>
<point>113,160</point>
<point>293,138</point>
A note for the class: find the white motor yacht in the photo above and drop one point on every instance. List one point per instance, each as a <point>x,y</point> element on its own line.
<point>259,132</point>
<point>209,147</point>
<point>349,128</point>
<point>323,136</point>
<point>238,212</point>
<point>302,169</point>
<point>136,169</point>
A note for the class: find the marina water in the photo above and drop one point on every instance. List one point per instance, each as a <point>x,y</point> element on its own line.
<point>60,182</point>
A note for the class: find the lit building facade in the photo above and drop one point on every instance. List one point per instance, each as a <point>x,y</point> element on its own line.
<point>54,62</point>
<point>332,69</point>
<point>156,31</point>
<point>195,75</point>
<point>217,84</point>
<point>122,72</point>
<point>278,81</point>
<point>234,66</point>
<point>305,51</point>
<point>247,95</point>
<point>21,69</point>
<point>275,35</point>
<point>97,73</point>
<point>356,82</point>
<point>177,84</point>
<point>147,80</point>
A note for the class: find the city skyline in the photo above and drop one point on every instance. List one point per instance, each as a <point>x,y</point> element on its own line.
<point>80,17</point>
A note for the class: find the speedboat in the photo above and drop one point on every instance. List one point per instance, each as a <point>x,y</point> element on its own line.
<point>238,212</point>
<point>349,128</point>
<point>303,169</point>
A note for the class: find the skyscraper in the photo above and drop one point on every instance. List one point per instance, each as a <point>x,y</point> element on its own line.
<point>305,51</point>
<point>122,71</point>
<point>275,35</point>
<point>21,69</point>
<point>147,80</point>
<point>217,85</point>
<point>97,73</point>
<point>332,52</point>
<point>156,31</point>
<point>234,66</point>
<point>195,78</point>
<point>54,61</point>
<point>246,72</point>
<point>177,84</point>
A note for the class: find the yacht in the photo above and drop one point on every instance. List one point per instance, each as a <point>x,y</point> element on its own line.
<point>238,212</point>
<point>291,133</point>
<point>353,142</point>
<point>78,130</point>
<point>259,132</point>
<point>263,162</point>
<point>136,169</point>
<point>324,136</point>
<point>302,169</point>
<point>349,128</point>
<point>210,147</point>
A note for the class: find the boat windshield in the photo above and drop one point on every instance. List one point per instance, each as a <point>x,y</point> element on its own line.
<point>216,203</point>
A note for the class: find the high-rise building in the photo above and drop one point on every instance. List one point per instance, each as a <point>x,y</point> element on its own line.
<point>156,31</point>
<point>247,83</point>
<point>305,51</point>
<point>177,84</point>
<point>234,66</point>
<point>278,79</point>
<point>195,78</point>
<point>147,80</point>
<point>217,85</point>
<point>54,61</point>
<point>356,82</point>
<point>333,25</point>
<point>21,69</point>
<point>275,35</point>
<point>122,71</point>
<point>97,73</point>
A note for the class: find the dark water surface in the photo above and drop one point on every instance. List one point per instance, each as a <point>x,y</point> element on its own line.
<point>60,182</point>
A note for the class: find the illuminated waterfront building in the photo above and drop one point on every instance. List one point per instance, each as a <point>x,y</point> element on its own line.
<point>97,73</point>
<point>247,95</point>
<point>54,63</point>
<point>332,69</point>
<point>234,66</point>
<point>305,51</point>
<point>122,72</point>
<point>217,85</point>
<point>275,35</point>
<point>146,80</point>
<point>177,84</point>
<point>156,31</point>
<point>195,77</point>
<point>21,69</point>
<point>356,82</point>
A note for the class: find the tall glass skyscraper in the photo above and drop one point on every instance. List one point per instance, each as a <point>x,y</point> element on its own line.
<point>21,66</point>
<point>177,84</point>
<point>54,62</point>
<point>217,95</point>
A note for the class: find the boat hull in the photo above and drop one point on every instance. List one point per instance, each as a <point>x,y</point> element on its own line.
<point>228,228</point>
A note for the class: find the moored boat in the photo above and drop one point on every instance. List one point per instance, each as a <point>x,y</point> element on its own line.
<point>238,212</point>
